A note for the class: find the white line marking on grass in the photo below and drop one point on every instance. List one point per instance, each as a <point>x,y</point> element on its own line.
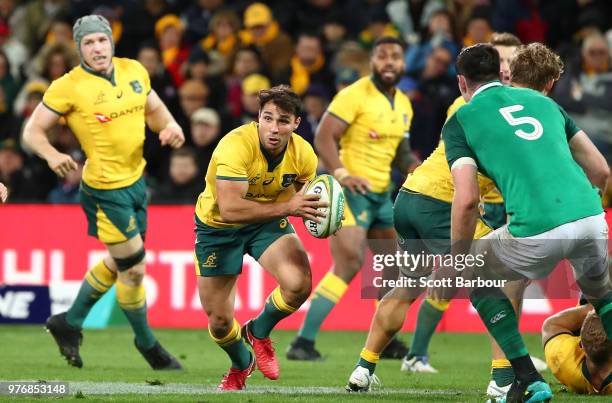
<point>124,388</point>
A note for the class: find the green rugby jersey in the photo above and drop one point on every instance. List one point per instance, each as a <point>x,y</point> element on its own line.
<point>520,139</point>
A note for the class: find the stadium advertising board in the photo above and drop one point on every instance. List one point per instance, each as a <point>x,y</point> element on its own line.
<point>47,246</point>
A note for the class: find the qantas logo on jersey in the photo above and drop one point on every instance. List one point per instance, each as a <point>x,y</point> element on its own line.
<point>101,118</point>
<point>129,111</point>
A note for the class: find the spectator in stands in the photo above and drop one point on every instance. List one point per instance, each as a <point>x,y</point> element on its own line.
<point>251,86</point>
<point>315,99</point>
<point>17,176</point>
<point>161,81</point>
<point>34,91</point>
<point>200,66</point>
<point>9,127</point>
<point>585,91</point>
<point>223,37</point>
<point>60,32</point>
<point>169,32</point>
<point>248,61</point>
<point>265,33</point>
<point>52,62</point>
<point>8,83</point>
<point>37,18</point>
<point>308,65</point>
<point>478,29</point>
<point>15,51</point>
<point>378,25</point>
<point>439,33</point>
<point>184,183</point>
<point>205,131</point>
<point>193,95</point>
<point>334,32</point>
<point>67,191</point>
<point>198,18</point>
<point>431,91</point>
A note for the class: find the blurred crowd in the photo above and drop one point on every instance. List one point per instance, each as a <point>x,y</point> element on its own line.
<point>208,59</point>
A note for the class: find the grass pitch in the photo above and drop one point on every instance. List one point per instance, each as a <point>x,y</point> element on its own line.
<point>114,371</point>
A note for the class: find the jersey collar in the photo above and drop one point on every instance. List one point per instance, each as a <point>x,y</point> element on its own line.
<point>89,70</point>
<point>380,89</point>
<point>486,86</point>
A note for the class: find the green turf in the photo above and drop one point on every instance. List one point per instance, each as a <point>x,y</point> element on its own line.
<point>27,353</point>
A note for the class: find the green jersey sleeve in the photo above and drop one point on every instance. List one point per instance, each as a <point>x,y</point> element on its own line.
<point>571,128</point>
<point>455,141</point>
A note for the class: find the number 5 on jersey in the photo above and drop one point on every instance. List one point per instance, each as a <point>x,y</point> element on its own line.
<point>537,131</point>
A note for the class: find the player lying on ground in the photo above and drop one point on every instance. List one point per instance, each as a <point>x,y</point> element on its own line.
<point>578,351</point>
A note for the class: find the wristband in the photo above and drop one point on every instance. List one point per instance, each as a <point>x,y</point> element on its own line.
<point>340,173</point>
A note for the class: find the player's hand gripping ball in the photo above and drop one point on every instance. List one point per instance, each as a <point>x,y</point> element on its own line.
<point>331,192</point>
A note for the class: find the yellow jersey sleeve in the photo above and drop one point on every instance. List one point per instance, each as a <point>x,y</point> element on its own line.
<point>565,356</point>
<point>232,158</point>
<point>58,96</point>
<point>145,76</point>
<point>309,163</point>
<point>345,105</point>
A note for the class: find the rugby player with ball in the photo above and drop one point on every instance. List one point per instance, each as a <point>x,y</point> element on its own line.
<point>254,181</point>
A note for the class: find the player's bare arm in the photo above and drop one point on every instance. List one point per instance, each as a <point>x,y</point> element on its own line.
<point>328,135</point>
<point>160,120</point>
<point>590,160</point>
<point>465,203</point>
<point>3,192</point>
<point>235,208</point>
<point>566,321</point>
<point>35,136</point>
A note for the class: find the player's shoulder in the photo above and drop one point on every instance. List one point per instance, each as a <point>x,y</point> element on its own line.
<point>361,86</point>
<point>300,146</point>
<point>130,66</point>
<point>454,107</point>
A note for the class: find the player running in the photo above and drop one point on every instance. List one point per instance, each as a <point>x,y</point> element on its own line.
<point>369,119</point>
<point>106,102</point>
<point>251,185</point>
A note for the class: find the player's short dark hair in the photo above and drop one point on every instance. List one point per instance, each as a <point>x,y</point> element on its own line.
<point>534,66</point>
<point>504,39</point>
<point>594,340</point>
<point>389,40</point>
<point>478,63</point>
<point>283,97</point>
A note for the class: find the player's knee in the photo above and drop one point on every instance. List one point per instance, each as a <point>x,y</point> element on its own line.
<point>297,292</point>
<point>127,262</point>
<point>348,265</point>
<point>219,325</point>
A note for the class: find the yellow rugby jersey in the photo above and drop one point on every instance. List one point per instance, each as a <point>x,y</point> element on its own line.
<point>434,179</point>
<point>566,360</point>
<point>108,118</point>
<point>376,125</point>
<point>239,156</point>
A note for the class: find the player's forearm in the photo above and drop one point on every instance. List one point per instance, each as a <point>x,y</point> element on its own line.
<point>463,224</point>
<point>35,138</point>
<point>240,211</point>
<point>159,118</point>
<point>567,321</point>
<point>327,150</point>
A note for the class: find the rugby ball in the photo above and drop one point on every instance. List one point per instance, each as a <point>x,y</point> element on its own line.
<point>331,192</point>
